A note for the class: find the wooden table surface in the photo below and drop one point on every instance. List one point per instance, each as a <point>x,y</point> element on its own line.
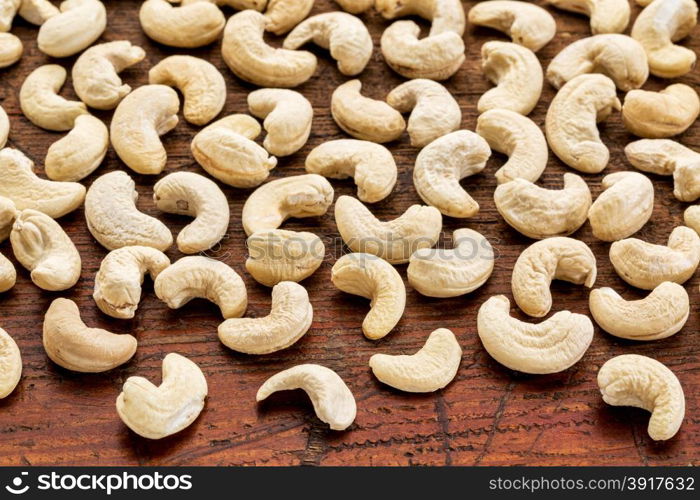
<point>488,415</point>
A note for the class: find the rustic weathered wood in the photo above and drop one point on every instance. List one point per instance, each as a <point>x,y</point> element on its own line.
<point>488,415</point>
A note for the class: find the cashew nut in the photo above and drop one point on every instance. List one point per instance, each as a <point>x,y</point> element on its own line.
<point>308,195</point>
<point>646,265</point>
<point>283,15</point>
<point>642,382</point>
<point>156,412</point>
<point>607,16</point>
<point>70,343</point>
<point>660,314</point>
<point>258,5</point>
<point>288,116</point>
<point>434,112</point>
<point>10,364</point>
<point>187,193</point>
<point>201,277</point>
<point>8,211</point>
<point>8,10</point>
<point>42,105</point>
<point>430,369</point>
<point>450,273</point>
<point>445,15</point>
<point>371,165</point>
<point>528,25</point>
<point>355,6</point>
<point>37,11</point>
<point>623,207</point>
<point>4,127</point>
<point>691,217</point>
<point>8,275</point>
<point>113,219</point>
<point>395,240</point>
<point>11,49</point>
<point>551,346</point>
<point>290,318</point>
<point>250,58</point>
<point>190,25</point>
<point>661,114</point>
<point>661,24</point>
<point>442,164</point>
<point>79,24</point>
<point>571,121</point>
<point>79,153</point>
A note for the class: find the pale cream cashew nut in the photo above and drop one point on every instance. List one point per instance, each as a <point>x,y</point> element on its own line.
<point>527,24</point>
<point>11,49</point>
<point>8,212</point>
<point>607,16</point>
<point>444,15</point>
<point>79,24</point>
<point>661,114</point>
<point>691,217</point>
<point>8,10</point>
<point>5,127</point>
<point>37,11</point>
<point>283,15</point>
<point>189,25</point>
<point>8,274</point>
<point>288,117</point>
<point>78,154</point>
<point>355,6</point>
<point>10,364</point>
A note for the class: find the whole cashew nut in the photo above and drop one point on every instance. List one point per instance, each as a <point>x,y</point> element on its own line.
<point>288,116</point>
<point>79,24</point>
<point>661,114</point>
<point>8,274</point>
<point>691,217</point>
<point>445,15</point>
<point>8,212</point>
<point>37,11</point>
<point>8,10</point>
<point>78,154</point>
<point>283,15</point>
<point>5,127</point>
<point>355,6</point>
<point>190,25</point>
<point>607,16</point>
<point>11,49</point>
<point>10,364</point>
<point>527,24</point>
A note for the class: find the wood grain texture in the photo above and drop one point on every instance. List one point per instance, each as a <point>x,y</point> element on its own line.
<point>488,416</point>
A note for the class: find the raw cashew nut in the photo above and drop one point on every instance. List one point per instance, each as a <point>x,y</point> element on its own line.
<point>290,318</point>
<point>607,16</point>
<point>42,105</point>
<point>539,212</point>
<point>450,273</point>
<point>620,57</point>
<point>551,346</point>
<point>571,121</point>
<point>691,217</point>
<point>156,412</point>
<point>8,211</point>
<point>646,265</point>
<point>118,282</point>
<point>79,153</point>
<point>333,402</point>
<point>288,116</point>
<point>283,15</point>
<point>445,15</point>
<point>556,258</point>
<point>44,249</point>
<point>8,275</point>
<point>623,207</point>
<point>201,277</point>
<point>187,193</point>
<point>442,164</point>
<point>4,127</point>
<point>96,73</point>
<point>355,6</point>
<point>258,5</point>
<point>661,114</point>
<point>528,25</point>
<point>430,369</point>
<point>344,35</point>
<point>369,276</point>
<point>113,219</point>
<point>364,118</point>
<point>138,122</point>
<point>10,364</point>
<point>37,11</point>
<point>225,149</point>
<point>661,24</point>
<point>278,255</point>
<point>371,165</point>
<point>642,382</point>
<point>308,195</point>
<point>8,10</point>
<point>21,185</point>
<point>11,49</point>
<point>79,24</point>
<point>434,112</point>
<point>250,58</point>
<point>660,314</point>
<point>190,25</point>
<point>70,343</point>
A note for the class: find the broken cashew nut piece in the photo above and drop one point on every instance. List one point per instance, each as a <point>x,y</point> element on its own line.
<point>526,24</point>
<point>10,364</point>
<point>11,49</point>
<point>444,15</point>
<point>288,116</point>
<point>607,16</point>
<point>79,24</point>
<point>661,114</point>
<point>78,154</point>
<point>190,25</point>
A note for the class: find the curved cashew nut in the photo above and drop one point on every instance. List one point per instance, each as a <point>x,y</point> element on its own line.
<point>288,116</point>
<point>70,343</point>
<point>369,276</point>
<point>8,10</point>
<point>355,6</point>
<point>343,34</point>
<point>187,26</point>
<point>258,5</point>
<point>11,49</point>
<point>113,219</point>
<point>371,165</point>
<point>539,212</point>
<point>42,105</point>
<point>250,58</point>
<point>79,153</point>
<point>661,114</point>
<point>646,265</point>
<point>430,369</point>
<point>290,318</point>
<point>660,314</point>
<point>283,15</point>
<point>156,412</point>
<point>10,364</point>
<point>118,282</point>
<point>201,277</point>
<point>551,346</point>
<point>364,118</point>
<point>308,195</point>
<point>445,15</point>
<point>657,27</point>
<point>333,402</point>
<point>442,164</point>
<point>623,207</point>
<point>450,273</point>
<point>571,121</point>
<point>137,124</point>
<point>79,24</point>
<point>37,11</point>
<point>691,217</point>
<point>434,112</point>
<point>8,275</point>
<point>8,211</point>
<point>528,25</point>
<point>633,380</point>
<point>187,193</point>
<point>607,16</point>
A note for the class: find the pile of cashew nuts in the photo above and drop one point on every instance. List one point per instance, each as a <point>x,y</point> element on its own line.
<point>589,75</point>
